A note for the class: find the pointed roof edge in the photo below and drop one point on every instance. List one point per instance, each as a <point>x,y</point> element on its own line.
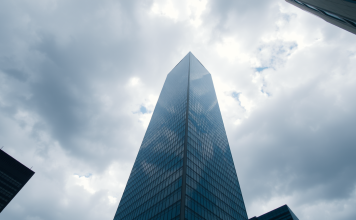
<point>292,213</point>
<point>199,61</point>
<point>190,53</point>
<point>179,62</point>
<point>285,206</point>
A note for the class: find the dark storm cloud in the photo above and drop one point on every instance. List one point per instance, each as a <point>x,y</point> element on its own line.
<point>302,146</point>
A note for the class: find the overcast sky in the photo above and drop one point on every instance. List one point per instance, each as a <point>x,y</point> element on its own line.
<point>79,81</point>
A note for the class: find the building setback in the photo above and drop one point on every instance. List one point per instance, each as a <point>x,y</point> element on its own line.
<point>281,213</point>
<point>13,176</point>
<point>341,13</point>
<point>184,168</point>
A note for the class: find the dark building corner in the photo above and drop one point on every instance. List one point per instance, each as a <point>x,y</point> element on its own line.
<point>13,176</point>
<point>341,13</point>
<point>281,213</point>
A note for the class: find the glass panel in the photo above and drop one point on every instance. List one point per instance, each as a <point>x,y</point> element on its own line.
<point>154,186</point>
<point>213,190</point>
<point>351,22</point>
<point>312,7</point>
<point>334,16</point>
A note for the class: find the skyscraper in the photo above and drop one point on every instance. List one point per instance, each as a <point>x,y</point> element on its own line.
<point>184,168</point>
<point>281,213</point>
<point>341,13</point>
<point>13,176</point>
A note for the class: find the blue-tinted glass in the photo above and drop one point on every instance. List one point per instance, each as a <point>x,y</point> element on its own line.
<point>333,15</point>
<point>184,168</point>
<point>298,2</point>
<point>312,7</point>
<point>154,185</point>
<point>213,190</point>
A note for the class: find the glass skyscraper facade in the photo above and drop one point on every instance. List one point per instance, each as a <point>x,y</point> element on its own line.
<point>337,12</point>
<point>281,213</point>
<point>184,168</point>
<point>13,177</point>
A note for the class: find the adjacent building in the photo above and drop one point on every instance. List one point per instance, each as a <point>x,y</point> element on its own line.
<point>13,176</point>
<point>341,13</point>
<point>184,168</point>
<point>281,213</point>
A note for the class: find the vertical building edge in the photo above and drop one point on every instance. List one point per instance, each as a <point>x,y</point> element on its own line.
<point>182,208</point>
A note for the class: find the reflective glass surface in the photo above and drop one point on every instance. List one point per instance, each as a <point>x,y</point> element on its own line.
<point>329,14</point>
<point>184,168</point>
<point>281,213</point>
<point>154,186</point>
<point>213,190</point>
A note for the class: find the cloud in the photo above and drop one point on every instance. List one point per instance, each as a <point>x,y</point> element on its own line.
<point>80,80</point>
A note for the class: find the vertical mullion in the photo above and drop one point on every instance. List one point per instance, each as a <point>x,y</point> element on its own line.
<point>182,207</point>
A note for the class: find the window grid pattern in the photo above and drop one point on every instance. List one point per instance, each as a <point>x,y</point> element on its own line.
<point>186,136</point>
<point>281,213</point>
<point>9,179</point>
<point>213,191</point>
<point>153,190</point>
<point>9,187</point>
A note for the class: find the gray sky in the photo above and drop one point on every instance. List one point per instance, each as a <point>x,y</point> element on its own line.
<point>79,81</point>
